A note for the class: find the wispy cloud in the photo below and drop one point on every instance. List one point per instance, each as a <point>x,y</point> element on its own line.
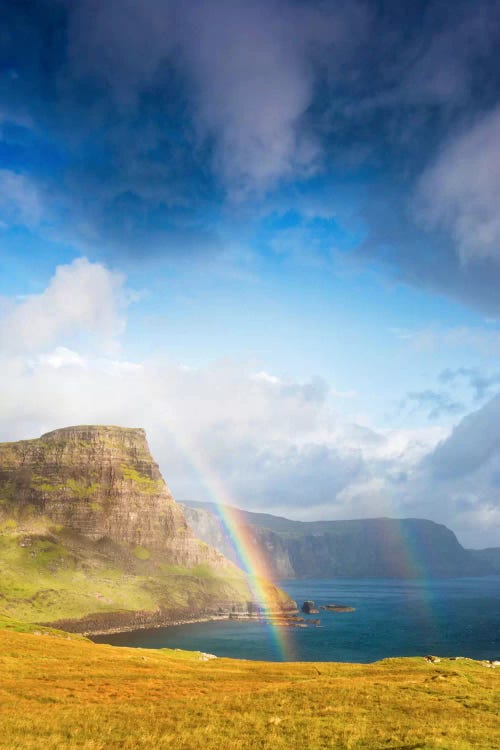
<point>435,403</point>
<point>20,200</point>
<point>454,337</point>
<point>482,384</point>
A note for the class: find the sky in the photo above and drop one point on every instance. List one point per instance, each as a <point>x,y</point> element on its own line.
<point>268,232</point>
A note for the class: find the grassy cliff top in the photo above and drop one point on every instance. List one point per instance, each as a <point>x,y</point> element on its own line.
<point>83,430</point>
<point>57,693</point>
<point>95,428</point>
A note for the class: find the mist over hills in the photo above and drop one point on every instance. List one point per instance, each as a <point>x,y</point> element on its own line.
<point>365,548</point>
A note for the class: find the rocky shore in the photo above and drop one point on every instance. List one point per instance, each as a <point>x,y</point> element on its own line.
<point>101,623</point>
<point>123,622</point>
<point>166,624</point>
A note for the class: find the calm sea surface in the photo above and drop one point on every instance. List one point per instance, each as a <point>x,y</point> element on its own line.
<point>452,617</point>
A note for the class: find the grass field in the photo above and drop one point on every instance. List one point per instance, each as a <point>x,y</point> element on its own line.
<point>59,693</point>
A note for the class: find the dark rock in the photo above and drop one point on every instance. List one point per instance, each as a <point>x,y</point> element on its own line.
<point>338,608</point>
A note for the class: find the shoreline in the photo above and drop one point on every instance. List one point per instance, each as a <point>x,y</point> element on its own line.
<point>154,623</point>
<point>151,626</point>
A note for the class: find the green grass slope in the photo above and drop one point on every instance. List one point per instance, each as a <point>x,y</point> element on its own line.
<point>49,574</point>
<point>56,694</point>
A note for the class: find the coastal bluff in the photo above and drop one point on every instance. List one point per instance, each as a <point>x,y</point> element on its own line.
<point>101,481</point>
<point>360,548</point>
<point>90,533</point>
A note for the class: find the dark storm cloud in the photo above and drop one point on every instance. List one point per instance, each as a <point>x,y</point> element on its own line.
<point>399,247</point>
<point>433,223</point>
<point>472,445</point>
<point>133,124</point>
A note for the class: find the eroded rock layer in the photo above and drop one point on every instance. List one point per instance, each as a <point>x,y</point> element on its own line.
<point>101,482</point>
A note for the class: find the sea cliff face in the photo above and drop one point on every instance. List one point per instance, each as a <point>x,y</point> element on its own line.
<point>270,547</point>
<point>368,548</point>
<point>91,537</point>
<point>102,482</point>
<point>488,558</point>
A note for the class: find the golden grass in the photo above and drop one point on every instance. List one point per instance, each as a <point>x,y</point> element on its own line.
<point>57,693</point>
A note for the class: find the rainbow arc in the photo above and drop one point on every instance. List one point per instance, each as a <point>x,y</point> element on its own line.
<point>249,560</point>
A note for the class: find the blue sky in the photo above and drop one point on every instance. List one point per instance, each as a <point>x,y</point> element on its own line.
<point>278,219</point>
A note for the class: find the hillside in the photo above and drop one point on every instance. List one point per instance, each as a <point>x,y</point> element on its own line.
<point>56,693</point>
<point>92,539</point>
<point>366,548</point>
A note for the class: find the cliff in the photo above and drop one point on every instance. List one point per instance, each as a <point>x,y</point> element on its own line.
<point>101,482</point>
<point>90,532</point>
<point>368,548</point>
<point>488,558</point>
<point>269,546</point>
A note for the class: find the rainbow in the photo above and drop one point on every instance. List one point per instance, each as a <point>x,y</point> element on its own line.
<point>254,566</point>
<point>412,567</point>
<point>249,561</point>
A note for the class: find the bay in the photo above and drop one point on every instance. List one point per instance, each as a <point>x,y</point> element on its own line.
<point>449,617</point>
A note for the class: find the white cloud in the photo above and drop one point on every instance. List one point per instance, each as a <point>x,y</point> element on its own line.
<point>217,431</point>
<point>62,357</point>
<point>256,442</point>
<point>252,97</point>
<point>82,298</point>
<point>225,431</point>
<point>459,192</point>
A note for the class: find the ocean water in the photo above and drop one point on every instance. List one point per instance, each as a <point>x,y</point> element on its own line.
<point>452,617</point>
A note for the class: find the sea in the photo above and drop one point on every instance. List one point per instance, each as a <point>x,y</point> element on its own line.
<point>448,617</point>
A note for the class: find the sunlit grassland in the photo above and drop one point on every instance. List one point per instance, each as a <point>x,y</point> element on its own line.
<point>16,626</point>
<point>58,693</point>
